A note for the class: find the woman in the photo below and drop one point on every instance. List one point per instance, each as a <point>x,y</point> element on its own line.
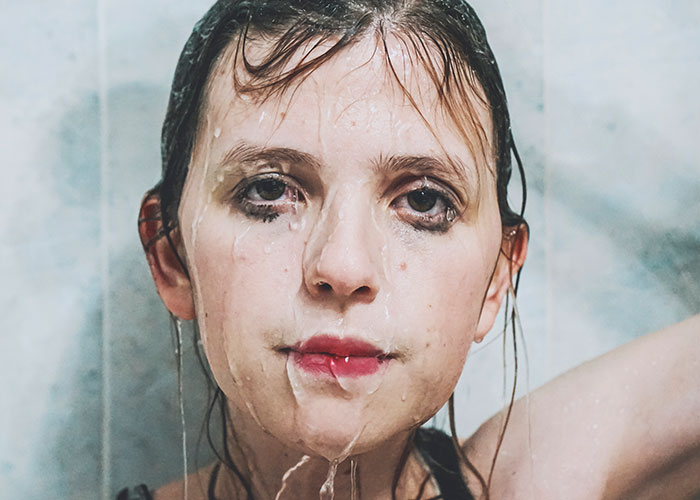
<point>334,214</point>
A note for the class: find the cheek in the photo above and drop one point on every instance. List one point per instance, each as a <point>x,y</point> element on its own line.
<point>247,276</point>
<point>443,291</point>
<point>439,304</point>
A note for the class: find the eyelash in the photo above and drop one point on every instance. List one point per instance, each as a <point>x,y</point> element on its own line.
<point>422,221</point>
<point>271,210</point>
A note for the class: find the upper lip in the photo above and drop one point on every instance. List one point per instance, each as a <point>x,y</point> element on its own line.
<point>337,346</point>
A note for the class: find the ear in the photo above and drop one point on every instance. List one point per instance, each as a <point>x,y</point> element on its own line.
<point>510,259</point>
<point>171,279</point>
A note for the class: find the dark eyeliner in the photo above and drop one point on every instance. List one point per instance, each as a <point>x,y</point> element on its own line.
<point>440,223</point>
<point>265,212</point>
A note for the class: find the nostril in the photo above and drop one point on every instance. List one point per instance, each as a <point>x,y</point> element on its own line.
<point>363,290</point>
<point>324,286</point>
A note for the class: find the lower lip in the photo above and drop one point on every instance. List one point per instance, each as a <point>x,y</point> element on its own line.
<point>338,366</point>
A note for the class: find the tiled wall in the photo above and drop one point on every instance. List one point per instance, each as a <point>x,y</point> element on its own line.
<point>607,116</point>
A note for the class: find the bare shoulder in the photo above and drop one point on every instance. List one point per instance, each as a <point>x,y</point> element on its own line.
<point>621,425</point>
<point>197,485</point>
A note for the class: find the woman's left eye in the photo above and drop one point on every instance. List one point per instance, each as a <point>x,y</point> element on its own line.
<point>426,208</point>
<point>267,197</point>
<point>422,200</point>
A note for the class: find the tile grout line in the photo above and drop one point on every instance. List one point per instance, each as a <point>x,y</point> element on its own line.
<point>104,248</point>
<point>547,185</point>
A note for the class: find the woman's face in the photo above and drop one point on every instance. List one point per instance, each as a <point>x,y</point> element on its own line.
<point>339,253</point>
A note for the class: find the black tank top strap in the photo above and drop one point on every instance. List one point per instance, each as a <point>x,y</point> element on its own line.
<point>438,452</point>
<point>434,446</point>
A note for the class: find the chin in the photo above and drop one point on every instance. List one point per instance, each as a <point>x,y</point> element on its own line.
<point>332,427</point>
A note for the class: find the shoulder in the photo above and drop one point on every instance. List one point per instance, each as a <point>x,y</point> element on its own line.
<point>605,428</point>
<point>197,486</point>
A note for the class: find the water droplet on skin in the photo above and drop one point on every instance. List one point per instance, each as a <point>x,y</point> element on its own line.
<point>254,415</point>
<point>403,397</point>
<point>367,385</point>
<point>217,132</point>
<point>293,226</point>
<point>267,249</point>
<point>450,215</point>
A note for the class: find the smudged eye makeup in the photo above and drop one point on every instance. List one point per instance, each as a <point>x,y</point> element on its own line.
<point>423,204</point>
<point>427,207</point>
<point>267,196</point>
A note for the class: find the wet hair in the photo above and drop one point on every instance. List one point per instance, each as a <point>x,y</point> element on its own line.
<point>444,36</point>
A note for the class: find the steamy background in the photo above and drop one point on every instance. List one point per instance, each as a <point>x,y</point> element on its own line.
<point>606,114</point>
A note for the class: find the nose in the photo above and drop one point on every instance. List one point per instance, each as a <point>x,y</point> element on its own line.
<point>343,258</point>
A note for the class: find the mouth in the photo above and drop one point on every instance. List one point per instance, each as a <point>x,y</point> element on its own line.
<point>337,357</point>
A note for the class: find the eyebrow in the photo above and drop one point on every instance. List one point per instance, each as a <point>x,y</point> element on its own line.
<point>449,169</point>
<point>244,157</point>
<point>245,153</point>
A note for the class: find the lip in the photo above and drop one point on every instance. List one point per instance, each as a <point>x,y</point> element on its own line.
<point>338,357</point>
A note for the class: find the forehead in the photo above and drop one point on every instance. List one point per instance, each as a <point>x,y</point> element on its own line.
<point>372,98</point>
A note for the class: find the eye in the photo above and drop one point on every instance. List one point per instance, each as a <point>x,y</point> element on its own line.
<point>268,196</point>
<point>422,200</point>
<point>267,189</point>
<point>429,207</point>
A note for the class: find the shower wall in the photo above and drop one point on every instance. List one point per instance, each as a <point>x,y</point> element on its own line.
<point>605,112</point>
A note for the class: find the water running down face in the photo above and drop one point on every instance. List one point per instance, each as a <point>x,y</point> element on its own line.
<point>342,258</point>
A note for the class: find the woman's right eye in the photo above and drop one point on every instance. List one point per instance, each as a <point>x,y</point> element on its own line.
<point>268,196</point>
<point>266,190</point>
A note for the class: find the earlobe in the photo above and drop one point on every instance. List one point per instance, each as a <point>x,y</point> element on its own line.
<point>170,278</point>
<point>510,260</point>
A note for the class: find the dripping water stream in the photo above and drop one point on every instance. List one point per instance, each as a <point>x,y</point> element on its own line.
<point>287,475</point>
<point>181,402</point>
<point>328,489</point>
<point>353,479</point>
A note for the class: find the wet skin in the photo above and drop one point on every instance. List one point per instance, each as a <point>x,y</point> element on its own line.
<point>334,211</point>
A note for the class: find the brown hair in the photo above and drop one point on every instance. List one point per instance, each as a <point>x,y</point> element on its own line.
<point>445,36</point>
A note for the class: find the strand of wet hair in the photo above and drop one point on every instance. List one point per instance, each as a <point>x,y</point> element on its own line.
<point>217,398</point>
<point>403,460</point>
<point>458,448</point>
<point>509,411</point>
<point>423,484</point>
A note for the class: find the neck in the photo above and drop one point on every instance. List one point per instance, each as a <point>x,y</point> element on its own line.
<point>275,471</point>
